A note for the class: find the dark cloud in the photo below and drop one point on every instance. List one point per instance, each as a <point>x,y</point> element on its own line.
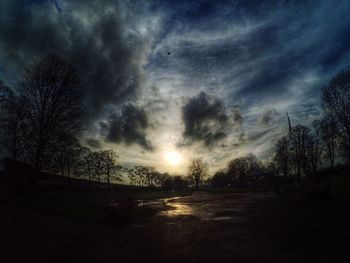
<point>129,127</point>
<point>91,34</point>
<point>205,120</point>
<point>93,143</point>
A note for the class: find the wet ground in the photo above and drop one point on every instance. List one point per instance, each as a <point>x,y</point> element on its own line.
<point>197,228</point>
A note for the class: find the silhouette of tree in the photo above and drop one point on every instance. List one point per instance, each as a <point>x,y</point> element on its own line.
<point>87,162</point>
<point>329,136</point>
<point>97,165</point>
<point>158,179</point>
<point>149,174</point>
<point>221,179</point>
<point>138,175</point>
<point>167,183</point>
<point>197,171</point>
<point>315,145</point>
<point>299,137</point>
<point>281,158</point>
<point>67,153</point>
<point>336,104</point>
<point>53,97</point>
<point>240,169</point>
<point>13,114</point>
<point>108,159</point>
<point>132,175</point>
<point>179,183</point>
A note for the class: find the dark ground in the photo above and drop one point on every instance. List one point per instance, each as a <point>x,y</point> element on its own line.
<point>242,227</point>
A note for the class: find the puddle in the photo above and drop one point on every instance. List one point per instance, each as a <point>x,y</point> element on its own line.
<point>178,210</point>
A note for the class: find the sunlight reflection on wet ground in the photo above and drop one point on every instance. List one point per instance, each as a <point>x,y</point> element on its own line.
<point>203,206</point>
<point>178,209</point>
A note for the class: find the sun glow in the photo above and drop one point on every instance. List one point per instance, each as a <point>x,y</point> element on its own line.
<point>173,158</point>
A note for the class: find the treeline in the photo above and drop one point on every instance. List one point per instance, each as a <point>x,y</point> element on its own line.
<point>303,151</point>
<point>239,171</point>
<point>41,118</point>
<point>41,113</point>
<point>74,160</point>
<point>149,176</point>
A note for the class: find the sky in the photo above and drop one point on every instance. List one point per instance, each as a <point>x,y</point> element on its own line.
<point>167,81</point>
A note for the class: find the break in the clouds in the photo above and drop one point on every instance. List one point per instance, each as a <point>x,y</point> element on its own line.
<point>253,61</point>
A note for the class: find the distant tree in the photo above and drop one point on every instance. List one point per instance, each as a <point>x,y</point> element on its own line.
<point>336,104</point>
<point>179,183</point>
<point>197,171</point>
<point>150,176</point>
<point>299,137</point>
<point>108,162</point>
<point>329,136</point>
<point>140,175</point>
<point>67,153</point>
<point>97,165</point>
<point>86,161</point>
<point>131,172</point>
<point>167,182</point>
<point>281,157</point>
<point>315,145</point>
<point>235,169</point>
<point>158,178</point>
<point>241,169</point>
<point>221,179</point>
<point>13,115</point>
<point>253,164</point>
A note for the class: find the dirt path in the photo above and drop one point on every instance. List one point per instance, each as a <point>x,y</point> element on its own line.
<point>196,228</point>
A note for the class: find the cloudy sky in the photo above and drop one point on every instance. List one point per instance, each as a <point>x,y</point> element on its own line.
<point>183,79</point>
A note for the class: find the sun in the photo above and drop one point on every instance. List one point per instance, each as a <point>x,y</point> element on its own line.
<point>173,157</point>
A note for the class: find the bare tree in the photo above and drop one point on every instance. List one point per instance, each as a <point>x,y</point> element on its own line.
<point>67,153</point>
<point>315,145</point>
<point>13,114</point>
<point>329,136</point>
<point>138,175</point>
<point>132,175</point>
<point>197,171</point>
<point>97,165</point>
<point>240,169</point>
<point>299,136</point>
<point>87,161</point>
<point>109,159</point>
<point>54,103</point>
<point>336,104</point>
<point>150,176</point>
<point>282,155</point>
<point>221,179</point>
